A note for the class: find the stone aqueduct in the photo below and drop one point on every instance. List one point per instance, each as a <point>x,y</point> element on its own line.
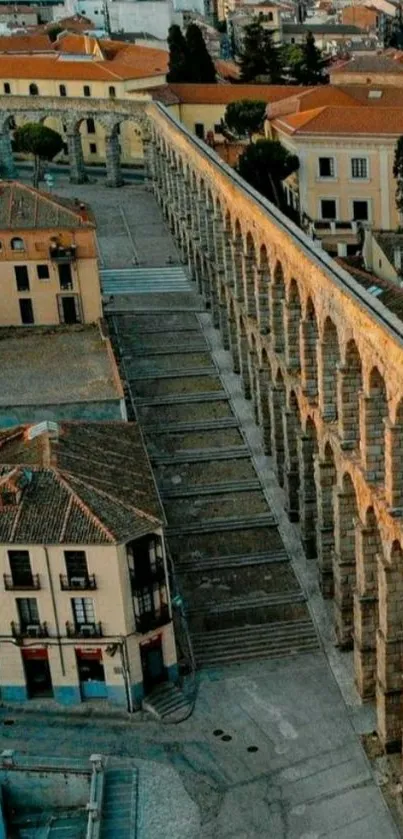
<point>321,359</point>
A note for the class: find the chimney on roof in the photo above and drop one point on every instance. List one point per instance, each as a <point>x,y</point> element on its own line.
<point>397,258</point>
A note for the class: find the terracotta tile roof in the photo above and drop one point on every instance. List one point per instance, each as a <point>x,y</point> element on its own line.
<point>385,62</point>
<point>350,120</point>
<point>388,241</point>
<point>390,295</point>
<point>111,59</point>
<point>82,483</point>
<point>227,69</point>
<point>163,93</point>
<point>305,99</point>
<point>391,96</point>
<point>221,94</point>
<point>22,206</point>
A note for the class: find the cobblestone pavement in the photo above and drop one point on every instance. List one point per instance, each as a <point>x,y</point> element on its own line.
<point>272,750</point>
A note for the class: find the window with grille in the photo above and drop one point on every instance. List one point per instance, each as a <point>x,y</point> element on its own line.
<point>359,167</point>
<point>20,567</point>
<point>83,610</point>
<point>27,610</point>
<point>326,167</point>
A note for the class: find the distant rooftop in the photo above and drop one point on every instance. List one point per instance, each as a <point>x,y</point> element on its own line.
<point>321,28</point>
<point>32,372</point>
<point>22,206</point>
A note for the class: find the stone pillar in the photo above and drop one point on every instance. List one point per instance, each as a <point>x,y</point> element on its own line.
<point>237,260</point>
<point>228,260</point>
<point>244,355</point>
<point>348,391</point>
<point>112,155</point>
<point>291,431</point>
<point>254,383</point>
<point>277,317</point>
<point>149,160</point>
<point>367,546</point>
<point>264,408</point>
<point>261,285</point>
<point>309,363</point>
<point>344,567</point>
<point>394,466</point>
<point>7,165</point>
<point>248,275</point>
<point>328,361</point>
<point>307,494</point>
<point>325,478</point>
<point>77,169</point>
<point>292,316</point>
<point>233,336</point>
<point>389,653</point>
<point>372,438</point>
<point>224,324</point>
<point>277,404</point>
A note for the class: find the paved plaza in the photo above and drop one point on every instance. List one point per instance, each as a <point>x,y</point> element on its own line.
<point>272,749</point>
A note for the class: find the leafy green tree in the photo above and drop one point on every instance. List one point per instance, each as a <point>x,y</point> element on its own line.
<point>40,141</point>
<point>260,60</point>
<point>245,117</point>
<point>265,165</point>
<point>178,55</point>
<point>311,69</point>
<point>398,174</point>
<point>292,56</point>
<point>201,68</point>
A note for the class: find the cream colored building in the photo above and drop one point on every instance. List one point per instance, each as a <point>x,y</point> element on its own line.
<point>85,607</point>
<point>383,254</point>
<point>48,259</point>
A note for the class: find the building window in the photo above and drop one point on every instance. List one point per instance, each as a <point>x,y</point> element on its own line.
<point>328,210</point>
<point>69,308</point>
<point>112,92</point>
<point>21,277</point>
<point>62,90</point>
<point>76,567</point>
<point>326,167</point>
<point>360,211</point>
<point>7,87</point>
<point>90,126</point>
<point>87,90</point>
<point>20,567</point>
<point>199,130</point>
<point>33,89</point>
<point>28,613</point>
<point>42,272</point>
<point>359,167</point>
<point>26,311</point>
<point>83,610</point>
<point>218,128</point>
<point>93,148</point>
<point>17,244</point>
<point>270,16</point>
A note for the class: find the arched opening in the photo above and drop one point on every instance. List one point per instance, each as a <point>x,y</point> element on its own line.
<point>244,358</point>
<point>350,377</point>
<point>368,551</point>
<point>277,408</point>
<point>394,460</point>
<point>389,649</point>
<point>262,291</point>
<point>309,327</point>
<point>249,268</point>
<point>326,478</point>
<point>253,377</point>
<point>293,355</point>
<point>308,505</point>
<point>17,244</point>
<point>346,515</point>
<point>330,363</point>
<point>264,403</point>
<point>277,289</point>
<point>375,410</point>
<point>292,431</point>
<point>233,334</point>
<point>237,255</point>
<point>33,89</point>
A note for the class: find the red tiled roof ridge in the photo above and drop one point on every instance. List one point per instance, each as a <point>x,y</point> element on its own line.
<point>63,480</point>
<point>39,194</point>
<point>111,497</point>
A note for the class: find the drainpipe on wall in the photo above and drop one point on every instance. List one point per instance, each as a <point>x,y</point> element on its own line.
<point>126,675</point>
<point>52,594</point>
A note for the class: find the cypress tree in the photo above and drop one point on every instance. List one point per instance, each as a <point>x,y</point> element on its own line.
<point>178,56</point>
<point>201,68</point>
<point>261,60</point>
<point>398,174</point>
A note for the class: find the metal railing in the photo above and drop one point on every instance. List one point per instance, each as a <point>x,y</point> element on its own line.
<point>152,620</point>
<point>29,630</point>
<point>79,582</point>
<point>94,806</point>
<point>84,630</point>
<point>25,582</point>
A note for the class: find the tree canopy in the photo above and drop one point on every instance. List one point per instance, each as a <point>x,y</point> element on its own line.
<point>245,117</point>
<point>260,60</point>
<point>189,59</point>
<point>307,63</point>
<point>265,165</point>
<point>398,174</point>
<point>37,139</point>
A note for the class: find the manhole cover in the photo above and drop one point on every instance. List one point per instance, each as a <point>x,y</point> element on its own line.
<point>8,722</point>
<point>226,738</point>
<point>217,732</point>
<point>252,749</point>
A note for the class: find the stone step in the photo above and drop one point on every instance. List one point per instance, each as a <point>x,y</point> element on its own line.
<point>219,658</point>
<point>221,524</point>
<point>237,604</point>
<point>209,489</point>
<point>182,398</point>
<point>173,374</point>
<point>144,280</point>
<point>276,629</point>
<point>198,455</point>
<point>218,563</point>
<point>199,425</point>
<point>119,811</point>
<point>167,702</point>
<point>173,349</point>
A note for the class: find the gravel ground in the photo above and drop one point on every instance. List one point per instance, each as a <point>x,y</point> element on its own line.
<point>219,439</point>
<point>215,506</point>
<point>163,387</point>
<point>219,586</point>
<point>226,543</point>
<point>209,472</point>
<point>186,412</point>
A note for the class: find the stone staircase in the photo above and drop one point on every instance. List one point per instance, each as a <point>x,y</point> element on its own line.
<point>269,640</point>
<point>144,280</point>
<point>65,827</point>
<point>167,702</point>
<point>119,811</point>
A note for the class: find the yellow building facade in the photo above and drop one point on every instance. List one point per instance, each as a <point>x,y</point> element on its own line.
<point>82,617</point>
<point>48,259</point>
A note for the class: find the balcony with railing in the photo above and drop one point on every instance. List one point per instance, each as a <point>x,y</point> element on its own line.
<point>81,582</point>
<point>148,621</point>
<point>21,582</point>
<point>84,630</point>
<point>140,578</point>
<point>62,255</point>
<point>29,630</point>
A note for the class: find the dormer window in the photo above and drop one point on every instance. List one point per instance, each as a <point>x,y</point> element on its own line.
<point>8,498</point>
